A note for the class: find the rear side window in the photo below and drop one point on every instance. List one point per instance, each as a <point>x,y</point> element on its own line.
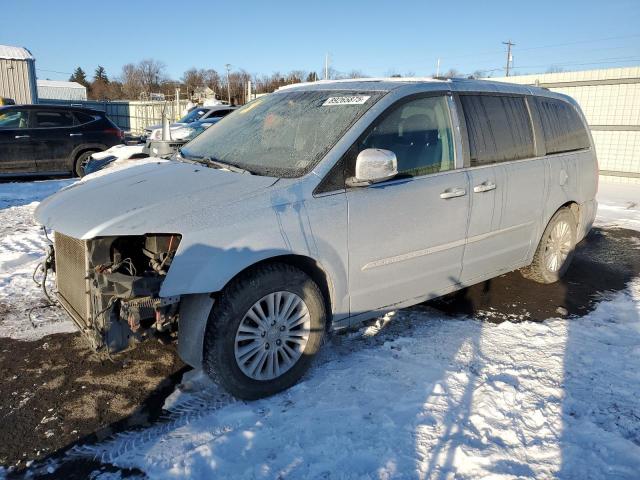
<point>53,119</point>
<point>563,129</point>
<point>498,127</point>
<point>83,118</point>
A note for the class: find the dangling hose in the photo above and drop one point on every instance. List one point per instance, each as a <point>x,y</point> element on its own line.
<point>44,267</point>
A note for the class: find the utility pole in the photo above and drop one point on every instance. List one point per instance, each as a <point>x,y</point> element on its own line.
<point>326,66</point>
<point>228,67</point>
<point>509,59</point>
<point>438,69</point>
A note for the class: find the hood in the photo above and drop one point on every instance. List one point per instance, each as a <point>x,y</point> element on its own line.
<point>150,198</point>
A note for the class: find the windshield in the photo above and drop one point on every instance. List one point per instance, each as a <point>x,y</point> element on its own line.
<point>282,134</point>
<point>193,116</point>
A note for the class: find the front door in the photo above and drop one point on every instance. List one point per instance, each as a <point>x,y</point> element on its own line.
<point>16,143</point>
<point>407,235</point>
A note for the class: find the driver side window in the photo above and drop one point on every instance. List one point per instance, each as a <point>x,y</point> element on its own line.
<point>419,133</point>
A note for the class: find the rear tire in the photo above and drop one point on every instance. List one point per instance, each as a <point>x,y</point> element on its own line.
<point>80,163</point>
<point>555,250</point>
<point>263,331</point>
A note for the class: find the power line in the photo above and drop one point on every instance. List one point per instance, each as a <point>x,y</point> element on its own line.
<point>579,42</point>
<point>53,71</point>
<point>564,64</point>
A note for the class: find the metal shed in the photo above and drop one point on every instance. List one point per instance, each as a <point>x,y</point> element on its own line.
<point>18,74</point>
<point>59,90</point>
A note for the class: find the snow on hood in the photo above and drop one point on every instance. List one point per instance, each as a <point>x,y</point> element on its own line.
<point>153,197</point>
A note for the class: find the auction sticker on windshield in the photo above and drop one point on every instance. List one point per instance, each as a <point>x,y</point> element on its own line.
<point>350,100</point>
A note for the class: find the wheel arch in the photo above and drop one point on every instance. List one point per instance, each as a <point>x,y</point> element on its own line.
<point>304,263</point>
<point>79,150</point>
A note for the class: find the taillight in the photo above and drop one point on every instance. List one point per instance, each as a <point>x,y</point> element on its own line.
<point>114,131</point>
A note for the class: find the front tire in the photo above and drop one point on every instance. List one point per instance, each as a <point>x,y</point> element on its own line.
<point>263,331</point>
<point>555,250</point>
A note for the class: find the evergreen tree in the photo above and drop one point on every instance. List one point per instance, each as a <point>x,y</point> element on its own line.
<point>101,75</point>
<point>79,76</point>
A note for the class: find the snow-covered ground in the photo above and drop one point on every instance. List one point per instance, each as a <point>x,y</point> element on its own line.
<point>418,395</point>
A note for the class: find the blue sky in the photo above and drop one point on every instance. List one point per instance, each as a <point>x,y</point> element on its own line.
<point>375,37</point>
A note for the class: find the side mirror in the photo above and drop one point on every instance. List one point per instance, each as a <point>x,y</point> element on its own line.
<point>374,165</point>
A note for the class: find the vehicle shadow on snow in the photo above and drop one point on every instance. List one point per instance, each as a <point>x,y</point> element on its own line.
<point>599,426</point>
<point>346,397</point>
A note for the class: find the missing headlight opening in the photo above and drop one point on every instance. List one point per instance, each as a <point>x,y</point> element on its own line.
<point>111,286</point>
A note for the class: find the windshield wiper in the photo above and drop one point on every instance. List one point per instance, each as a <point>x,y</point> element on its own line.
<point>212,162</point>
<point>222,165</point>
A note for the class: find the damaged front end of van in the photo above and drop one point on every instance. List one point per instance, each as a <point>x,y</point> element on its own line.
<point>110,286</point>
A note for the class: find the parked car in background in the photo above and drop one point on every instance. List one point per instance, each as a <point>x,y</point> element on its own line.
<point>6,101</point>
<point>211,114</point>
<point>121,153</point>
<point>318,207</point>
<point>186,131</point>
<point>52,139</point>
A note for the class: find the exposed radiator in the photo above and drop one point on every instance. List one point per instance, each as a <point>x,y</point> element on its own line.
<point>71,277</point>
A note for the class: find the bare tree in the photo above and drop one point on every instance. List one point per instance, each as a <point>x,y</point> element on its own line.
<point>131,81</point>
<point>451,73</point>
<point>212,80</point>
<point>152,74</point>
<point>193,79</point>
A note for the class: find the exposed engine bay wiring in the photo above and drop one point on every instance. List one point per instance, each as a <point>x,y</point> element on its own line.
<point>43,267</point>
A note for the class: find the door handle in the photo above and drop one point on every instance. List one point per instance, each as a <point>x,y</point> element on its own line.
<point>453,192</point>
<point>21,136</point>
<point>484,187</point>
<point>75,134</point>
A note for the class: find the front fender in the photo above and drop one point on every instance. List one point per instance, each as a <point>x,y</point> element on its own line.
<point>207,259</point>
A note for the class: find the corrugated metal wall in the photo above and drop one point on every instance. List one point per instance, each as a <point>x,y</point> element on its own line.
<point>610,100</point>
<point>46,92</point>
<point>18,80</point>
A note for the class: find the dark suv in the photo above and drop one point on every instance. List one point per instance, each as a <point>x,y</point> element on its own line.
<point>51,139</point>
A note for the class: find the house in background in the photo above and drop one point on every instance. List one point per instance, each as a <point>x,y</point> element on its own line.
<point>18,74</point>
<point>60,90</point>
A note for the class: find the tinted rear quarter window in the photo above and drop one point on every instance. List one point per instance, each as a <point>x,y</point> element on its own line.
<point>53,119</point>
<point>562,127</point>
<point>83,118</point>
<point>498,128</point>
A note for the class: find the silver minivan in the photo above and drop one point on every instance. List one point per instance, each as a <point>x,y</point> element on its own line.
<point>317,207</point>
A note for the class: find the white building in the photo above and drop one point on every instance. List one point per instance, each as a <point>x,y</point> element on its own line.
<point>610,99</point>
<point>59,90</point>
<point>18,74</point>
